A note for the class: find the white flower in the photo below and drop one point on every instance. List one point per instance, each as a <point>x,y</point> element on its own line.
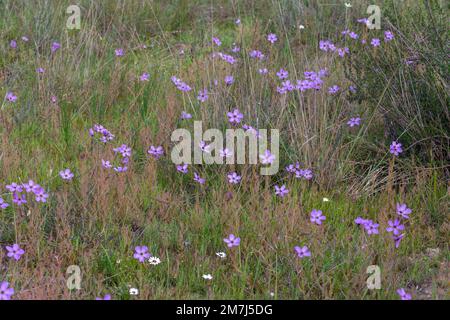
<point>154,261</point>
<point>134,291</point>
<point>272,294</point>
<point>118,261</point>
<point>325,199</point>
<point>348,5</point>
<point>221,255</point>
<point>207,276</point>
<point>301,27</point>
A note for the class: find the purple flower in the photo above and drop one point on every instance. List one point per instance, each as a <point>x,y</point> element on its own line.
<point>182,86</point>
<point>326,45</point>
<point>106,297</point>
<point>11,97</point>
<point>388,36</point>
<point>234,178</point>
<point>334,89</point>
<point>183,168</point>
<point>198,178</point>
<point>403,210</point>
<point>229,80</point>
<point>204,147</point>
<point>235,116</point>
<point>272,38</point>
<point>375,42</point>
<point>120,169</point>
<point>362,221</point>
<point>202,95</point>
<point>156,152</point>
<point>403,294</point>
<point>124,150</point>
<point>14,187</point>
<point>282,74</point>
<point>105,134</point>
<point>40,194</point>
<point>398,239</point>
<point>287,86</point>
<point>302,252</point>
<point>303,85</point>
<point>19,199</point>
<point>144,77</point>
<point>354,122</point>
<point>185,115</point>
<point>263,71</point>
<point>13,44</point>
<point>227,58</point>
<point>316,216</point>
<point>5,291</point>
<point>352,89</point>
<point>281,90</point>
<point>232,241</point>
<point>304,173</point>
<point>353,35</point>
<point>119,52</point>
<point>141,253</point>
<point>225,153</point>
<point>40,70</point>
<point>292,168</point>
<point>256,54</point>
<point>106,164</point>
<point>55,46</point>
<point>66,174</point>
<point>281,191</point>
<point>3,204</point>
<point>371,227</point>
<point>396,148</point>
<point>267,157</point>
<point>237,21</point>
<point>15,251</point>
<point>25,39</point>
<point>235,49</point>
<point>395,227</point>
<point>217,41</point>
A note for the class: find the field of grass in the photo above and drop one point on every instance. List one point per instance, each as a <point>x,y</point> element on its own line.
<point>96,75</point>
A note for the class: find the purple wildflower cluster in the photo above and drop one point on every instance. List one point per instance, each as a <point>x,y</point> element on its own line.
<point>19,191</point>
<point>122,156</point>
<point>297,172</point>
<point>395,226</point>
<point>182,86</point>
<point>104,134</point>
<point>256,54</point>
<point>227,58</point>
<point>328,46</point>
